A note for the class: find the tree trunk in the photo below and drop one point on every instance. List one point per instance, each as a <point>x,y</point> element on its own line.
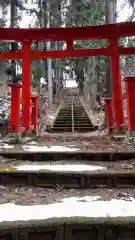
<point>92,82</point>
<point>110,17</point>
<point>98,80</point>
<point>49,61</point>
<point>42,46</point>
<point>13,44</point>
<point>56,24</point>
<point>2,73</point>
<point>57,73</point>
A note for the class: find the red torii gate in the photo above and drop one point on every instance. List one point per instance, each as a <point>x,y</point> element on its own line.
<point>111,33</point>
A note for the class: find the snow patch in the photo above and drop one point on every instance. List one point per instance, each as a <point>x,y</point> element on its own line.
<point>58,167</point>
<point>81,199</point>
<point>69,208</point>
<point>51,117</point>
<point>32,143</point>
<point>48,149</point>
<point>6,146</point>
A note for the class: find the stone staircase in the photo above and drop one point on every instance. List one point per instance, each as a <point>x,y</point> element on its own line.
<point>72,117</point>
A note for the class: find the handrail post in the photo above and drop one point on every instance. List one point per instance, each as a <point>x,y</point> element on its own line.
<point>72,117</point>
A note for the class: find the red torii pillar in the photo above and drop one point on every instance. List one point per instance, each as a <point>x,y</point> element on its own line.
<point>130,94</point>
<point>116,84</point>
<point>15,108</point>
<point>26,86</point>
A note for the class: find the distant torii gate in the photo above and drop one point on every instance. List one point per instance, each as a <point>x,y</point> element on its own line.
<point>111,33</point>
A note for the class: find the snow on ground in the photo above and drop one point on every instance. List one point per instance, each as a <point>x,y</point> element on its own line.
<point>4,111</point>
<point>70,207</point>
<point>5,107</point>
<point>48,149</point>
<point>5,146</point>
<point>58,167</point>
<point>51,117</point>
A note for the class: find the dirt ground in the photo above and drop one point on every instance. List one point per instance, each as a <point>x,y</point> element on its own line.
<point>96,142</point>
<point>22,195</point>
<point>32,196</point>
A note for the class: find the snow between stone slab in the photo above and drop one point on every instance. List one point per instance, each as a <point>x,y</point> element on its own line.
<point>72,207</point>
<point>48,149</point>
<point>6,146</point>
<point>58,167</point>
